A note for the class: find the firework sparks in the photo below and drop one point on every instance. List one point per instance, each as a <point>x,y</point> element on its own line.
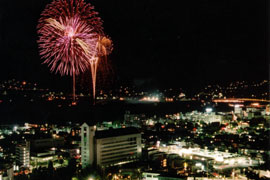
<point>68,32</point>
<point>103,48</point>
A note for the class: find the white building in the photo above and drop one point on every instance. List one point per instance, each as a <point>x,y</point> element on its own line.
<point>109,147</point>
<point>23,154</point>
<point>87,144</point>
<point>211,118</point>
<point>150,176</point>
<point>237,109</point>
<point>117,146</point>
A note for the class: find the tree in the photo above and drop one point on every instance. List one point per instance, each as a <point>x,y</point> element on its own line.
<point>61,160</point>
<point>91,171</point>
<point>50,165</point>
<point>72,165</point>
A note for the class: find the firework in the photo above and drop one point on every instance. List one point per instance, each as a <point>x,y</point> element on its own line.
<point>68,34</point>
<point>103,48</point>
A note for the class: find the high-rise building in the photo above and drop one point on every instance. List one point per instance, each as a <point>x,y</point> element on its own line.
<point>23,154</point>
<point>117,146</point>
<point>109,147</point>
<point>87,144</point>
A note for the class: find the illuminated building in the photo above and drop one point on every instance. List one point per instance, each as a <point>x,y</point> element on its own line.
<point>87,144</point>
<point>23,154</point>
<point>267,110</point>
<point>39,159</point>
<point>211,118</point>
<point>117,146</point>
<point>237,109</point>
<point>109,147</point>
<point>150,176</point>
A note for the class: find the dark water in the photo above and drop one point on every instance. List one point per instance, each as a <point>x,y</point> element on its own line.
<point>60,112</point>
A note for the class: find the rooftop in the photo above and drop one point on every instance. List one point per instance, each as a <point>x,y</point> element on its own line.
<point>116,132</point>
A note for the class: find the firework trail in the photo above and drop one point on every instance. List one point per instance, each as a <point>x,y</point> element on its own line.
<point>104,47</point>
<point>68,35</point>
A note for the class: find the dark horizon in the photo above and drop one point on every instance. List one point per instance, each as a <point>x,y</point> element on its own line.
<point>172,44</point>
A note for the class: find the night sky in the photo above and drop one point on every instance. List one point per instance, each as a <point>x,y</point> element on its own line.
<point>156,43</point>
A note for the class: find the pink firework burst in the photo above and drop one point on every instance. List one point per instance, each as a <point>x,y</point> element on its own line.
<point>68,33</point>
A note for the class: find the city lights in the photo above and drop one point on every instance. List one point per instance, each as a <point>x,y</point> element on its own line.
<point>160,90</point>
